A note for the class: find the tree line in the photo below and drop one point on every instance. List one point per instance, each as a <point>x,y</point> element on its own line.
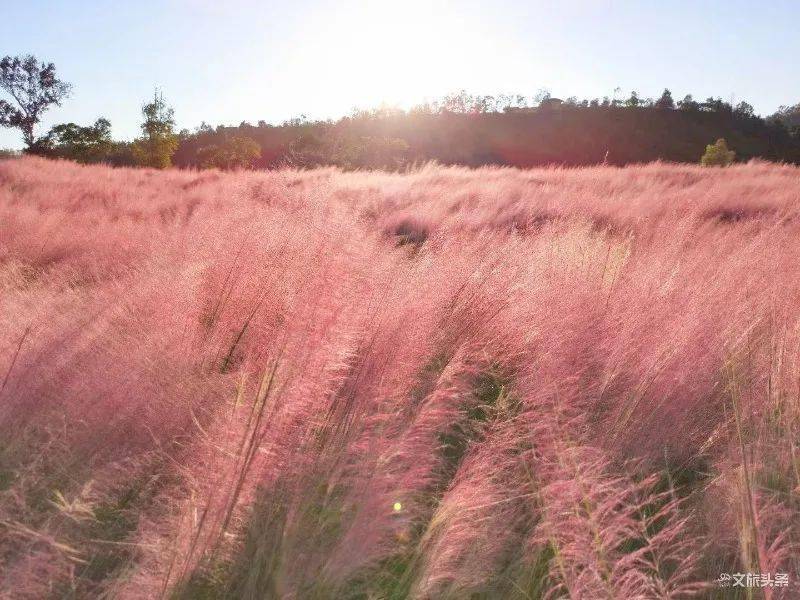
<point>515,130</point>
<point>461,128</point>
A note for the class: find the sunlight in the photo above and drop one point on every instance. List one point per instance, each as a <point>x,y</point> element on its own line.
<point>364,53</point>
<point>399,299</point>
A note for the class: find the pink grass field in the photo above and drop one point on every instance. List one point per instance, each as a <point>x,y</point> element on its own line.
<point>448,383</point>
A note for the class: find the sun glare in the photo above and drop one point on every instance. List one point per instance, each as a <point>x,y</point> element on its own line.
<point>367,53</point>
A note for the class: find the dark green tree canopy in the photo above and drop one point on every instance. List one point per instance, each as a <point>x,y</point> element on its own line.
<point>234,152</point>
<point>689,104</point>
<point>33,87</point>
<point>84,144</point>
<point>633,101</point>
<point>789,116</point>
<point>666,101</point>
<point>744,110</point>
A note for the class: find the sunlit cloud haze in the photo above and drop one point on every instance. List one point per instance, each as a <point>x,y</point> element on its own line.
<point>248,60</point>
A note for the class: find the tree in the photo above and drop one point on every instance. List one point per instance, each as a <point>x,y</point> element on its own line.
<point>665,102</point>
<point>237,152</point>
<point>204,128</point>
<point>717,105</point>
<point>717,154</point>
<point>461,103</point>
<point>633,101</point>
<point>370,152</point>
<point>122,154</point>
<point>744,110</point>
<point>309,149</point>
<point>789,115</point>
<point>89,144</point>
<point>34,87</point>
<point>158,142</point>
<point>689,104</point>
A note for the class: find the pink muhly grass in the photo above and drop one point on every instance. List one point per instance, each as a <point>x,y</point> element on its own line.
<point>450,382</point>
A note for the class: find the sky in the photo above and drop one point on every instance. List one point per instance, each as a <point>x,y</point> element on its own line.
<point>224,62</point>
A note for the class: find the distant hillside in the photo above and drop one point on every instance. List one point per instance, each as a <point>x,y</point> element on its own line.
<point>555,133</point>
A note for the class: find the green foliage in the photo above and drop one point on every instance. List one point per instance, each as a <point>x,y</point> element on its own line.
<point>5,154</point>
<point>122,154</point>
<point>376,152</point>
<point>34,87</point>
<point>343,149</point>
<point>717,154</point>
<point>665,102</point>
<point>633,101</point>
<point>513,130</point>
<point>235,152</point>
<point>743,110</point>
<point>89,144</point>
<point>309,149</point>
<point>790,117</point>
<point>154,152</point>
<point>688,104</point>
<point>158,142</point>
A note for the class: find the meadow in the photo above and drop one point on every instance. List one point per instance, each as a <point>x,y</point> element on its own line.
<point>446,383</point>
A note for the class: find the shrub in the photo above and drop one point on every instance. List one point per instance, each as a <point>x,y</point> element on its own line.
<point>717,154</point>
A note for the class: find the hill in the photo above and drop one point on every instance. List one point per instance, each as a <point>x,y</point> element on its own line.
<point>566,134</point>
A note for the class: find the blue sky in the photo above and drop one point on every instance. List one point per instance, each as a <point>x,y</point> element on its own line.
<point>234,60</point>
